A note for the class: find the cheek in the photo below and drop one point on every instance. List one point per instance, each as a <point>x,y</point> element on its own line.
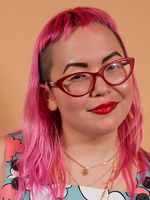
<point>67,103</point>
<point>126,89</point>
<point>126,93</point>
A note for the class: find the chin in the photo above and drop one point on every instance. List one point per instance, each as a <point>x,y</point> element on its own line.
<point>101,130</point>
<point>107,127</point>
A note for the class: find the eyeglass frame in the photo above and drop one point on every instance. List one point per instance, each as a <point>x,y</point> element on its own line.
<point>100,73</point>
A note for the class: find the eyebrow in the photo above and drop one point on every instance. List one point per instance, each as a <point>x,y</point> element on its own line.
<point>79,64</point>
<point>85,65</point>
<point>114,53</point>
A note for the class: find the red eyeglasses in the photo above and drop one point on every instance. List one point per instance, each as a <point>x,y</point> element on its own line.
<point>81,83</point>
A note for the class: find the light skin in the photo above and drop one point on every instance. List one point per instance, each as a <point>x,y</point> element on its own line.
<point>89,137</point>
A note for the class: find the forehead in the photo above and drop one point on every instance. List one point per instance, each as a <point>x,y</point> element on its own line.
<point>86,44</point>
<point>84,35</point>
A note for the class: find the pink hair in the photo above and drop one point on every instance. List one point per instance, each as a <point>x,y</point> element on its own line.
<point>42,155</point>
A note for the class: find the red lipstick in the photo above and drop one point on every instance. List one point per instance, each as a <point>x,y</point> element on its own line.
<point>104,108</point>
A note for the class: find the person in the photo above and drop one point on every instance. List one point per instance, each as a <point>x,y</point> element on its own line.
<point>82,124</point>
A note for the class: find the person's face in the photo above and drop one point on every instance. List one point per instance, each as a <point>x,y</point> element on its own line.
<point>91,45</point>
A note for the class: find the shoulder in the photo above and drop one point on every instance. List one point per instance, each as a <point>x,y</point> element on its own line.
<point>143,177</point>
<point>13,149</point>
<point>14,143</point>
<point>15,136</point>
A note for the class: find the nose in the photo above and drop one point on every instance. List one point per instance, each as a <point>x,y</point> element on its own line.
<point>101,88</point>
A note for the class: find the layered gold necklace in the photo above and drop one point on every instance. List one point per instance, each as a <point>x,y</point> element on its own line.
<point>85,171</point>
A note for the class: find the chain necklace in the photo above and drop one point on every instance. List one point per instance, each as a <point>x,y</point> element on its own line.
<point>85,169</point>
<point>109,182</point>
<point>92,183</point>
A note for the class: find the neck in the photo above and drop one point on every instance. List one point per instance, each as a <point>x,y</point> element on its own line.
<point>90,149</point>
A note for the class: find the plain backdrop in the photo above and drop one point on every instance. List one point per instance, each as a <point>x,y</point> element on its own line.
<point>20,23</point>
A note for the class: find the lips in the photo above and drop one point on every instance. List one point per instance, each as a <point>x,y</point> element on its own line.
<point>104,108</point>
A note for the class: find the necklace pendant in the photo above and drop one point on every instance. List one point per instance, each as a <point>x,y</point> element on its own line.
<point>85,171</point>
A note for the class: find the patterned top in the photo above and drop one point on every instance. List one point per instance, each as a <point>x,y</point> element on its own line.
<point>72,192</point>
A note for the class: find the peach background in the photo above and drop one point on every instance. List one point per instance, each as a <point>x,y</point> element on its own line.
<point>20,23</point>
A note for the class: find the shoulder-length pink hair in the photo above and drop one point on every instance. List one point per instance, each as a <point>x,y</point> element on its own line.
<point>42,156</point>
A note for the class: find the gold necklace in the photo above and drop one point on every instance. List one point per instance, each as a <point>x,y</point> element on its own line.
<point>109,182</point>
<point>85,169</point>
<point>90,184</point>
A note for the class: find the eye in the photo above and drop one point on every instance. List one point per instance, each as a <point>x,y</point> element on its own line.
<point>114,66</point>
<point>77,77</point>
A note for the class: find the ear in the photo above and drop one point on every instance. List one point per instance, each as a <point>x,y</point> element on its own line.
<point>48,97</point>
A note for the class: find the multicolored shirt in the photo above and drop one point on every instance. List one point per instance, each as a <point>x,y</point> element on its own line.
<point>72,192</point>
